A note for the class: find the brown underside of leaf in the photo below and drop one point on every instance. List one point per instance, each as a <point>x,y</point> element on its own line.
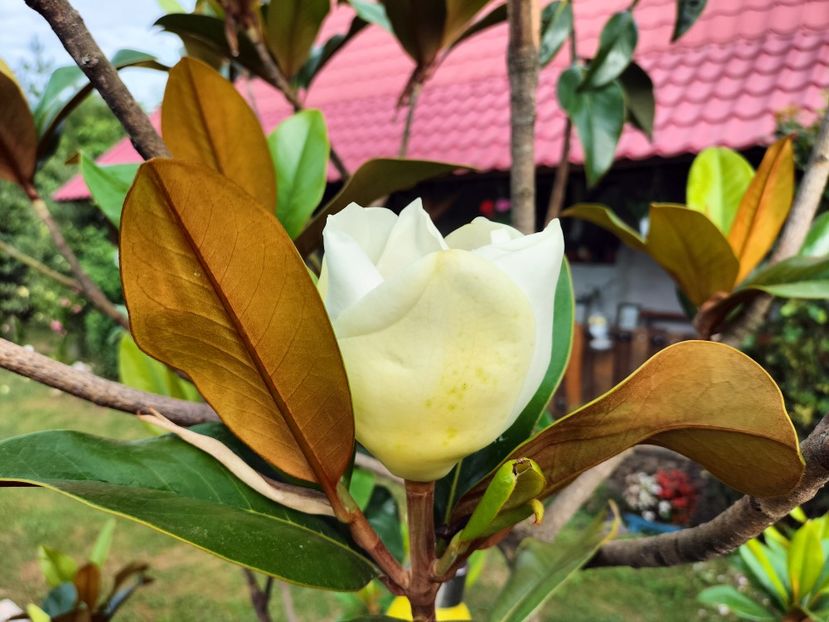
<point>18,137</point>
<point>204,119</point>
<point>703,399</point>
<point>216,289</point>
<point>764,207</point>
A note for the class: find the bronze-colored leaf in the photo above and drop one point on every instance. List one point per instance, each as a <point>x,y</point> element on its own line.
<point>764,207</point>
<point>205,120</point>
<point>18,137</point>
<point>705,400</point>
<point>216,289</point>
<point>419,27</point>
<point>692,249</point>
<point>88,583</point>
<point>291,28</point>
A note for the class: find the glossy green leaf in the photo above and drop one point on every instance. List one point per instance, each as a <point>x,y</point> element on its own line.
<point>598,115</point>
<point>556,26</point>
<point>506,501</point>
<point>361,486</point>
<point>703,399</point>
<point>542,568</point>
<point>179,490</point>
<point>138,370</point>
<point>717,181</point>
<point>616,45</point>
<point>692,250</point>
<point>260,350</point>
<point>299,149</point>
<point>474,467</point>
<point>817,239</point>
<point>321,55</point>
<point>756,558</point>
<point>57,567</point>
<point>806,560</point>
<point>205,120</point>
<point>764,206</point>
<point>795,277</point>
<point>640,103</point>
<point>100,550</point>
<point>741,605</point>
<point>67,87</point>
<point>108,185</point>
<point>687,12</point>
<point>372,12</point>
<point>603,217</point>
<point>374,179</point>
<point>384,515</point>
<point>291,28</point>
<point>208,32</point>
<point>18,138</point>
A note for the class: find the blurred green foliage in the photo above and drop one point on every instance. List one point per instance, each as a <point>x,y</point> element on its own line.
<point>793,345</point>
<point>32,305</point>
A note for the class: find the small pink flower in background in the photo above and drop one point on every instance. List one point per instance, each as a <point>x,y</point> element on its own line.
<point>502,205</point>
<point>76,308</point>
<point>56,326</point>
<point>64,302</point>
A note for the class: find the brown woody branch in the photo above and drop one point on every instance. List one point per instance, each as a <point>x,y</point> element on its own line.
<point>522,63</point>
<point>744,520</point>
<point>804,207</point>
<point>88,287</point>
<point>73,34</point>
<point>34,264</point>
<point>562,173</point>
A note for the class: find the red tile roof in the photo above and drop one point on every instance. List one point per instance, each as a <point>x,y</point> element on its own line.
<point>721,84</point>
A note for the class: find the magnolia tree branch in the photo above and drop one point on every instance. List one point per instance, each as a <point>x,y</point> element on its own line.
<point>804,207</point>
<point>89,289</point>
<point>73,34</point>
<point>34,264</point>
<point>744,520</point>
<point>522,64</point>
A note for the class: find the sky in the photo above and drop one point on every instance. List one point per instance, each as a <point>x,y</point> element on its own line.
<point>115,24</point>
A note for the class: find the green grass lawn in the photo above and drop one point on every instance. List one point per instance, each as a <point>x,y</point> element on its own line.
<point>194,586</point>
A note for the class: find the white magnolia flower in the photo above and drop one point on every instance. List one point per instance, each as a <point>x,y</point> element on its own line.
<point>444,340</point>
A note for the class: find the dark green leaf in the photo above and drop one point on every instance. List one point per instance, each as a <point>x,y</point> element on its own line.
<point>168,485</point>
<point>556,26</point>
<point>299,149</point>
<point>616,45</point>
<point>740,604</point>
<point>796,277</point>
<point>384,516</point>
<point>496,16</point>
<point>320,55</point>
<point>108,185</point>
<point>291,26</point>
<point>374,179</point>
<point>817,239</point>
<point>639,100</point>
<point>542,568</point>
<point>598,114</point>
<point>476,466</point>
<point>687,12</point>
<point>418,26</point>
<point>209,31</point>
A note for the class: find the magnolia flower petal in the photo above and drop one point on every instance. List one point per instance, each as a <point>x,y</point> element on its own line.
<point>481,232</point>
<point>436,358</point>
<point>533,263</point>
<point>412,237</point>
<point>348,273</point>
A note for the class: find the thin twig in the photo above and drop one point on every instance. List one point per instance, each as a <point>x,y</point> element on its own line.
<point>522,61</point>
<point>89,289</point>
<point>259,598</point>
<point>287,601</point>
<point>73,34</point>
<point>745,519</point>
<point>275,78</point>
<point>14,253</point>
<point>407,126</point>
<point>562,174</point>
<point>804,207</point>
<point>421,519</point>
